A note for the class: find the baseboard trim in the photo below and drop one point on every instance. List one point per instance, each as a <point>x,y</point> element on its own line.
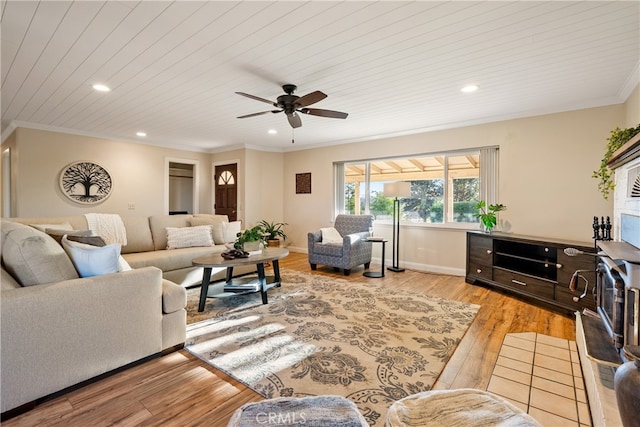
<point>424,268</point>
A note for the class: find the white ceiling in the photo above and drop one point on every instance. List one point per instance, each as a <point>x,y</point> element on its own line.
<point>396,67</point>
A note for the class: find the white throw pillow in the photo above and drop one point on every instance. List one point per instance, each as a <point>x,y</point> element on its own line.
<point>331,235</point>
<point>93,260</point>
<point>187,237</point>
<point>230,230</point>
<point>123,265</point>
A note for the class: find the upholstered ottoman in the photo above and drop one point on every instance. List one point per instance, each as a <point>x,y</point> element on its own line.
<point>314,411</point>
<point>453,408</point>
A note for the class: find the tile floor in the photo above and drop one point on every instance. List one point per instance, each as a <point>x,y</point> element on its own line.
<point>542,376</point>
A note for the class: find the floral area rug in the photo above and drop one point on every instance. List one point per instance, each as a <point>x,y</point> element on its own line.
<point>319,335</point>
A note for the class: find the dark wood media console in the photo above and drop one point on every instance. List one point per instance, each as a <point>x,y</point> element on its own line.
<point>533,267</point>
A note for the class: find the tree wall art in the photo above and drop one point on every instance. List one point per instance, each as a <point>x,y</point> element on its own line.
<point>85,182</point>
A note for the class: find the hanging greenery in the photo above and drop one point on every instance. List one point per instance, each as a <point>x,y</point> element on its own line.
<point>617,139</point>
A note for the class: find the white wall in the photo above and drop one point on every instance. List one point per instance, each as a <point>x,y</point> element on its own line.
<point>264,196</point>
<point>137,172</point>
<point>545,171</point>
<point>632,109</point>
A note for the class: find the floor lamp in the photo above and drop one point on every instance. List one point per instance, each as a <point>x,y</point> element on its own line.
<point>396,190</point>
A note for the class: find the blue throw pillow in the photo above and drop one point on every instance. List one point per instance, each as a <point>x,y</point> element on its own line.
<point>92,260</point>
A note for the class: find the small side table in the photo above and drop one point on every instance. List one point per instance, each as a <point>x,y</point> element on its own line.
<point>376,274</point>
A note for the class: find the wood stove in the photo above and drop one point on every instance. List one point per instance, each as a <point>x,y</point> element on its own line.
<point>618,291</point>
<point>601,336</point>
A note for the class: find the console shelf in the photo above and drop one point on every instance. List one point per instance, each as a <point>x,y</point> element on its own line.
<point>532,267</point>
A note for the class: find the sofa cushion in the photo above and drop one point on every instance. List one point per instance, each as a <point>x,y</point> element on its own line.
<point>139,237</point>
<point>93,260</point>
<point>7,281</point>
<point>331,249</point>
<point>159,224</point>
<point>216,223</point>
<point>32,257</point>
<point>187,237</point>
<point>174,297</point>
<point>169,260</point>
<point>7,227</point>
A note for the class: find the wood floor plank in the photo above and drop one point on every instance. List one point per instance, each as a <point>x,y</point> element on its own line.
<point>180,389</point>
<point>137,384</point>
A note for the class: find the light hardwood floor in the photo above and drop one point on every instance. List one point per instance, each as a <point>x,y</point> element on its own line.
<point>178,389</point>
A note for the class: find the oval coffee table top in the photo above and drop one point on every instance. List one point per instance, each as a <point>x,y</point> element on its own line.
<point>216,260</point>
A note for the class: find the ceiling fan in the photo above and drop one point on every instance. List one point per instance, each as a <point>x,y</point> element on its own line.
<point>292,105</point>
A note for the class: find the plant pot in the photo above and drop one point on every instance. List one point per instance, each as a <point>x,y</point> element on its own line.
<point>251,246</point>
<point>273,243</point>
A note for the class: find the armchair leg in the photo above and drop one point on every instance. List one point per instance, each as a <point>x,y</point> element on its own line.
<point>313,266</point>
<point>347,271</point>
<point>366,265</point>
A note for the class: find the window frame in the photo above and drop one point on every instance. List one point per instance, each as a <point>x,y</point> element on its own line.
<point>488,185</point>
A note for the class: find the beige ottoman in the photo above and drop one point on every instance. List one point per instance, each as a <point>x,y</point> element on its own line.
<point>453,408</point>
<point>313,411</point>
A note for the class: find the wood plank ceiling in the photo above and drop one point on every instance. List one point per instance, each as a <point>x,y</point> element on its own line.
<point>396,67</point>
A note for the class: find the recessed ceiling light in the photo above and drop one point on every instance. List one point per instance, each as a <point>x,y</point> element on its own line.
<point>141,133</point>
<point>272,131</point>
<point>101,88</point>
<point>469,88</point>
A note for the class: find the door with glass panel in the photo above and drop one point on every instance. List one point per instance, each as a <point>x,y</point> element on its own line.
<point>226,191</point>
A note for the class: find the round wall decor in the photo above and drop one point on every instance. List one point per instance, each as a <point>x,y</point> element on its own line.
<point>85,182</point>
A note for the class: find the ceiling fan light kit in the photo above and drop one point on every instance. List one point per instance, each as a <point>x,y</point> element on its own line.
<point>292,104</point>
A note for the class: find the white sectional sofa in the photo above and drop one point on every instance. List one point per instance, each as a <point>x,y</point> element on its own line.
<point>64,330</point>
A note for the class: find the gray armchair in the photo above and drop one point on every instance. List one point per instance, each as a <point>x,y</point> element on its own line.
<point>353,251</point>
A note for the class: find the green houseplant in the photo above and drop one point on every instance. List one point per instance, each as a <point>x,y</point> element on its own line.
<point>487,214</point>
<point>604,174</point>
<point>273,231</point>
<point>250,239</point>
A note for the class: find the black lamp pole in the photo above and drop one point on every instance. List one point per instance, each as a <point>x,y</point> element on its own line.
<point>396,237</point>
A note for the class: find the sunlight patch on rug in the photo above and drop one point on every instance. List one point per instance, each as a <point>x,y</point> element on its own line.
<point>319,335</point>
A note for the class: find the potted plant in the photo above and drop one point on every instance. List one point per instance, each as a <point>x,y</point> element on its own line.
<point>273,232</point>
<point>617,139</point>
<point>487,214</point>
<point>250,239</point>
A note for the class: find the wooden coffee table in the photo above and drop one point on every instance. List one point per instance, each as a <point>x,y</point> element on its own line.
<point>241,285</point>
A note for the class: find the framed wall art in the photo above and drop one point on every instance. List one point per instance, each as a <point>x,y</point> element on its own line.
<point>303,183</point>
<point>84,182</point>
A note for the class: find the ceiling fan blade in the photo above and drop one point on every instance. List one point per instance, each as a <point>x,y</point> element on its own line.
<point>310,98</point>
<point>258,114</point>
<point>257,98</point>
<point>324,113</point>
<point>294,120</point>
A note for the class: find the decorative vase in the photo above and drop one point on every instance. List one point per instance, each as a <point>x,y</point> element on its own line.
<point>486,229</point>
<point>627,386</point>
<point>273,243</point>
<point>251,246</point>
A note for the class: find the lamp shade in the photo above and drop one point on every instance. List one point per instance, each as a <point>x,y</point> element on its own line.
<point>398,189</point>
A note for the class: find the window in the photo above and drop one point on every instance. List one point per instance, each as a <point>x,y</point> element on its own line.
<point>444,187</point>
